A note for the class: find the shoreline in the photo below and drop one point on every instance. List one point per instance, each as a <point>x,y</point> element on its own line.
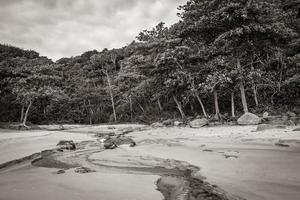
<point>174,183</point>
<point>164,160</point>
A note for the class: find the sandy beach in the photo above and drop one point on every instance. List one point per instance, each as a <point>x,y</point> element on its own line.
<point>236,162</point>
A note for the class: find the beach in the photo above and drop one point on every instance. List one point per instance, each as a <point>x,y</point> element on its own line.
<point>224,162</point>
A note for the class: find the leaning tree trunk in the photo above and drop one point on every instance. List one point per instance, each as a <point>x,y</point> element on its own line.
<point>22,113</point>
<point>159,105</point>
<point>216,104</point>
<point>179,107</point>
<point>232,105</point>
<point>26,113</point>
<point>111,95</point>
<point>244,100</point>
<point>255,94</point>
<point>141,107</point>
<point>242,88</point>
<point>201,104</point>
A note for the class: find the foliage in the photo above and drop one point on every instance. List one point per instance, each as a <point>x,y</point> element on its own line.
<point>220,49</point>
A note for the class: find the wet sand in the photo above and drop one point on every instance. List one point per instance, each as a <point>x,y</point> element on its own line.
<point>242,163</point>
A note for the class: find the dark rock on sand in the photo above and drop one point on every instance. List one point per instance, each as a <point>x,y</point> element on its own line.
<point>296,129</point>
<point>282,144</point>
<point>168,122</point>
<point>114,142</point>
<point>61,171</point>
<point>198,123</point>
<point>249,119</point>
<point>263,127</point>
<point>105,133</point>
<point>83,170</point>
<point>66,145</point>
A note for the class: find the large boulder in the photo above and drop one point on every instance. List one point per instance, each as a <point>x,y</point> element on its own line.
<point>249,119</point>
<point>198,123</point>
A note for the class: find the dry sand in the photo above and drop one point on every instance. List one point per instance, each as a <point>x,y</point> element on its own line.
<point>238,160</point>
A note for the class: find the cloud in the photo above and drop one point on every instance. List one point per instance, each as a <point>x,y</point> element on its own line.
<point>62,28</point>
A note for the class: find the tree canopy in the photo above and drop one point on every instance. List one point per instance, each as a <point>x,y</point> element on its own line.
<point>221,59</point>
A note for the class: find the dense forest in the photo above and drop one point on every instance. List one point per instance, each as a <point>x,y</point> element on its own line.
<point>222,58</point>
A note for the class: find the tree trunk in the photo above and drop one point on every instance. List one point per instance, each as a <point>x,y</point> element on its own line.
<point>201,104</point>
<point>255,95</point>
<point>232,105</point>
<point>22,113</point>
<point>91,112</point>
<point>141,107</point>
<point>26,113</point>
<point>159,105</point>
<point>131,109</point>
<point>216,104</point>
<point>179,107</point>
<point>111,95</point>
<point>242,88</point>
<point>244,100</point>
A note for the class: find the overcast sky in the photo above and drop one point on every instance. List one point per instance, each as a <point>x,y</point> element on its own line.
<point>61,28</point>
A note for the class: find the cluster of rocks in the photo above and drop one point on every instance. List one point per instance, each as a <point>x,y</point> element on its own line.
<point>114,142</point>
<point>286,119</point>
<point>66,145</point>
<point>289,119</point>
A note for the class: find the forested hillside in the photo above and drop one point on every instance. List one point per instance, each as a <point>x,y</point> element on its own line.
<point>222,59</point>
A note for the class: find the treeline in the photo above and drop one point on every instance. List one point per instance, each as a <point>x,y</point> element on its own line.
<point>223,58</point>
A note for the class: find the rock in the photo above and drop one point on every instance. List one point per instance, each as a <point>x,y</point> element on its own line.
<point>113,143</point>
<point>282,145</point>
<point>103,139</point>
<point>168,122</point>
<point>291,114</point>
<point>157,125</point>
<point>296,129</point>
<point>83,170</point>
<point>110,145</point>
<point>198,123</point>
<point>61,171</point>
<point>178,123</point>
<point>265,115</point>
<point>66,145</point>
<point>249,119</point>
<point>105,133</point>
<point>263,127</point>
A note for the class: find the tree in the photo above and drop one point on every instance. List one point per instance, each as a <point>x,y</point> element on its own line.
<point>35,79</point>
<point>106,62</point>
<point>244,30</point>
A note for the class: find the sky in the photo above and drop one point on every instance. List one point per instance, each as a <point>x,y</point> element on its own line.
<point>64,28</point>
